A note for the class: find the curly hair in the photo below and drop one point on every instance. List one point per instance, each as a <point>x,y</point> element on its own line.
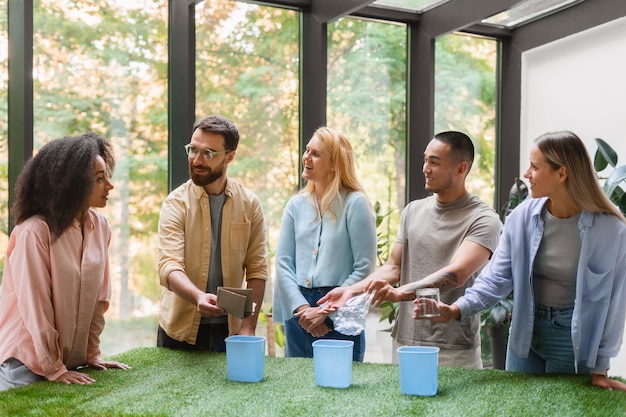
<point>56,183</point>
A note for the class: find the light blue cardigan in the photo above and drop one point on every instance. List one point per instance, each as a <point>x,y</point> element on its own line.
<point>600,303</point>
<point>336,251</point>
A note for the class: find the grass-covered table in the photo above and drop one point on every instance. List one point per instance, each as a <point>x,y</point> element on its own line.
<point>173,383</point>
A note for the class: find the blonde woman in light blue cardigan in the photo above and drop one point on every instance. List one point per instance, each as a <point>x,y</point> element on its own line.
<point>327,239</point>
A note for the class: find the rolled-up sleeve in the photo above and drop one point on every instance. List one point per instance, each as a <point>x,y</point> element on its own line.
<point>256,256</point>
<point>171,238</point>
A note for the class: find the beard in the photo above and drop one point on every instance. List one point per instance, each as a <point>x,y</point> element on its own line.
<point>206,178</point>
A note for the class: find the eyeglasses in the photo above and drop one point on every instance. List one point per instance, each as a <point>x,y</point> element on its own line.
<point>206,154</point>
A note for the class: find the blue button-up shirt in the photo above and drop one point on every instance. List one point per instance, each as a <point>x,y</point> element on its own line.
<point>336,250</point>
<point>600,303</point>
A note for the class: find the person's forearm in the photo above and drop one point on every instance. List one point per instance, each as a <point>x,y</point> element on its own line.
<point>258,289</point>
<point>359,287</point>
<point>183,287</point>
<point>443,280</point>
<point>388,273</point>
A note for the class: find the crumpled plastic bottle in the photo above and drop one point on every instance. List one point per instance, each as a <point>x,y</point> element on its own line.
<point>350,319</point>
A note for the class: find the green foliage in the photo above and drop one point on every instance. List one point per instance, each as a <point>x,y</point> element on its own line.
<point>606,156</point>
<point>465,100</point>
<point>366,57</point>
<point>247,70</point>
<point>383,236</point>
<point>366,100</point>
<point>388,310</point>
<point>167,382</point>
<point>103,67</point>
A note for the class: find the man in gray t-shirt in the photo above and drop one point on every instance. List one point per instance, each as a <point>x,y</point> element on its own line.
<point>443,241</point>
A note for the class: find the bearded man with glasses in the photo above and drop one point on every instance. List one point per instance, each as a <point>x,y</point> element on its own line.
<point>212,233</point>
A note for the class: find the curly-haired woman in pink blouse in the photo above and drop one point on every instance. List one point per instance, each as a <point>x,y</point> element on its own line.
<point>56,284</point>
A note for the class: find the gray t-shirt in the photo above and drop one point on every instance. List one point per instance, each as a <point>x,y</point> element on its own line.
<point>556,262</point>
<point>431,233</point>
<point>216,279</point>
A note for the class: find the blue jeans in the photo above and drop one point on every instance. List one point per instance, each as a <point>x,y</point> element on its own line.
<point>299,342</point>
<point>551,349</point>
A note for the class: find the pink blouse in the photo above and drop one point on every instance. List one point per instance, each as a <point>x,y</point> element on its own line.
<point>54,295</point>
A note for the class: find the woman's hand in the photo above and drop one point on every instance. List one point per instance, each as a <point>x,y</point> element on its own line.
<point>320,330</point>
<point>311,317</point>
<point>605,382</point>
<point>446,312</point>
<point>101,365</point>
<point>74,377</point>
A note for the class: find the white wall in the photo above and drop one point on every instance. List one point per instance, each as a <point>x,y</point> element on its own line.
<point>578,84</point>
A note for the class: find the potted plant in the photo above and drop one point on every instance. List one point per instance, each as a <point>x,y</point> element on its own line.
<point>494,329</point>
<point>605,155</point>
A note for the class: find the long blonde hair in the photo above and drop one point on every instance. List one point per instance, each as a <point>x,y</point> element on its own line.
<point>568,150</point>
<point>342,161</point>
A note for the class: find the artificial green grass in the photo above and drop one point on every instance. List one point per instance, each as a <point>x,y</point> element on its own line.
<point>164,382</point>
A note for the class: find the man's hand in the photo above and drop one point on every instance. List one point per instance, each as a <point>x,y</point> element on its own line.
<point>246,330</point>
<point>205,302</point>
<point>207,306</point>
<point>336,298</point>
<point>382,290</point>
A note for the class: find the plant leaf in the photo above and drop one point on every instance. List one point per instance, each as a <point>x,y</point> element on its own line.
<point>279,336</point>
<point>498,314</point>
<point>507,303</point>
<point>522,188</point>
<point>614,180</point>
<point>604,156</point>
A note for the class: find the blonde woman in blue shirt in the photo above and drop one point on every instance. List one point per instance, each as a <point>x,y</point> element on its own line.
<point>327,239</point>
<point>563,254</point>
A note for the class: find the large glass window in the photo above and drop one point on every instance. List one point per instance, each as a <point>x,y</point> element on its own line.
<point>367,102</point>
<point>465,100</point>
<point>102,67</point>
<point>247,70</point>
<point>4,153</point>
